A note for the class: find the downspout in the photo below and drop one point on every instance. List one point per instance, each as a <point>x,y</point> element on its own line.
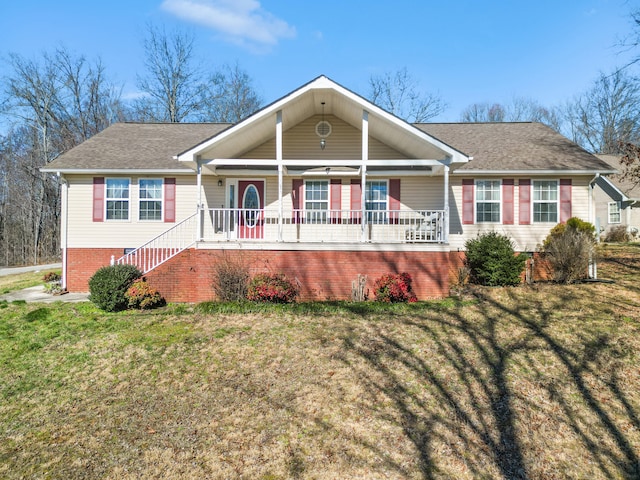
<point>445,236</point>
<point>64,185</point>
<point>593,267</point>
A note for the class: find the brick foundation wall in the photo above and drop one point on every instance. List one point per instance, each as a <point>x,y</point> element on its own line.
<point>322,274</point>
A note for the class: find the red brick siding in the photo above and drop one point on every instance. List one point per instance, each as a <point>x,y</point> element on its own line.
<point>321,274</point>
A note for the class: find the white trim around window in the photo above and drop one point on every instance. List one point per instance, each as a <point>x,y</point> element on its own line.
<point>317,198</point>
<point>150,199</point>
<point>487,204</point>
<point>117,199</point>
<point>545,201</point>
<point>614,214</point>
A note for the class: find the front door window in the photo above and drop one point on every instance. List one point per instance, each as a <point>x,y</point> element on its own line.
<point>251,205</point>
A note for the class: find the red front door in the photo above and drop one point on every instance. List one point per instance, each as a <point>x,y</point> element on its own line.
<point>251,203</point>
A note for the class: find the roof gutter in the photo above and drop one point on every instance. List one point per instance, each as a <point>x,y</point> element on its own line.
<point>468,172</point>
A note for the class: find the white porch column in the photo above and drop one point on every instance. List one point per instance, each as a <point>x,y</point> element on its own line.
<point>64,230</point>
<point>363,171</point>
<point>445,233</point>
<point>199,209</point>
<point>280,170</point>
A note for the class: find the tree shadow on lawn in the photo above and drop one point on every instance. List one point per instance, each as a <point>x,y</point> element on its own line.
<point>459,386</point>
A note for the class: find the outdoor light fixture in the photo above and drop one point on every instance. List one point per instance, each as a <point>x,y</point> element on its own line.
<point>219,183</point>
<point>323,142</point>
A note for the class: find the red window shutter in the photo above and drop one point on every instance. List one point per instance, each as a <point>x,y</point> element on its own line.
<point>565,199</point>
<point>507,201</point>
<point>336,200</point>
<point>394,199</point>
<point>467,200</point>
<point>98,199</point>
<point>296,198</point>
<point>169,199</point>
<point>524,189</point>
<point>356,200</point>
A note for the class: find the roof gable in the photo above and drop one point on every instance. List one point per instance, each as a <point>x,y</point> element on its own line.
<point>339,102</point>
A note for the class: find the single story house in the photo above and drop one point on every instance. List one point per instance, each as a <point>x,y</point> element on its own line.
<point>321,185</point>
<point>617,200</point>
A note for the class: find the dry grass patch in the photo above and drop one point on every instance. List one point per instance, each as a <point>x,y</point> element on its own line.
<point>531,382</point>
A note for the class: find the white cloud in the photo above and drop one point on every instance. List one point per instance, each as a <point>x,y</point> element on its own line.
<point>243,22</point>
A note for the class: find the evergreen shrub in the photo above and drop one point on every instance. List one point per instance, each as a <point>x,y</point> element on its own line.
<point>492,261</point>
<point>109,285</point>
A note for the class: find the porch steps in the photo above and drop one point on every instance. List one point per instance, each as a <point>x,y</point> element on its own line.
<point>163,247</point>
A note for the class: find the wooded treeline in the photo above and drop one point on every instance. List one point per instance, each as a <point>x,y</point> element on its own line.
<point>51,103</point>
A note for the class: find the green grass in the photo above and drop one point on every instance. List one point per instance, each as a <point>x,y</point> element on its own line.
<point>9,283</point>
<point>532,382</point>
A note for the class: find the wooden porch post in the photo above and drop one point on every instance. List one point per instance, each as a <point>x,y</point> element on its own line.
<point>280,169</point>
<point>363,171</point>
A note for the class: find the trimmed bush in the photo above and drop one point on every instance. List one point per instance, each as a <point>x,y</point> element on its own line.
<point>108,286</point>
<point>142,296</point>
<point>492,260</point>
<point>394,288</point>
<point>274,288</point>
<point>569,248</point>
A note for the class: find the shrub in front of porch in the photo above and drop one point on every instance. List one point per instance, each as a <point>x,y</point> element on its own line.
<point>143,296</point>
<point>394,288</point>
<point>492,260</point>
<point>274,288</point>
<point>108,286</point>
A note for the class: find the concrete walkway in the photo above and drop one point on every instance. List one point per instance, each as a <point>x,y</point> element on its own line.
<point>37,294</point>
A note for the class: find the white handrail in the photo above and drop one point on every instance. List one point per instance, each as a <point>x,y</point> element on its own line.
<point>163,247</point>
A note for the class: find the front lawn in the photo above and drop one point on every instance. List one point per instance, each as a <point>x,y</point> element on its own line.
<point>531,382</point>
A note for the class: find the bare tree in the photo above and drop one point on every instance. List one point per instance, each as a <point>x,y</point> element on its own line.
<point>230,96</point>
<point>607,115</point>
<point>53,103</point>
<point>173,83</point>
<point>630,161</point>
<point>399,94</point>
<point>520,109</point>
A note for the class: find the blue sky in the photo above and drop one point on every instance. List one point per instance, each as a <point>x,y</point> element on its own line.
<point>466,51</point>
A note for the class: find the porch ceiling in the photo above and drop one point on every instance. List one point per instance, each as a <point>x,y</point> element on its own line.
<point>306,102</point>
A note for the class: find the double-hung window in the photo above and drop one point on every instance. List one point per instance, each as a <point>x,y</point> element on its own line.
<point>375,201</point>
<point>150,207</point>
<point>614,212</point>
<point>545,201</point>
<point>316,200</point>
<point>488,201</point>
<point>117,199</point>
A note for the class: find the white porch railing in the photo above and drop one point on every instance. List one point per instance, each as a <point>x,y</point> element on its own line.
<point>163,247</point>
<point>350,226</point>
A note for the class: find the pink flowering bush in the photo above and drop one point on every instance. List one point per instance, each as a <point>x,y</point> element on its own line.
<point>393,288</point>
<point>275,288</point>
<point>142,296</point>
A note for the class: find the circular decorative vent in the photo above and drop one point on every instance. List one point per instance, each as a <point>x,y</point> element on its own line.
<point>323,129</point>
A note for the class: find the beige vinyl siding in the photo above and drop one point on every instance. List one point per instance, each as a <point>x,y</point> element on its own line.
<point>526,237</point>
<point>83,232</point>
<point>345,142</point>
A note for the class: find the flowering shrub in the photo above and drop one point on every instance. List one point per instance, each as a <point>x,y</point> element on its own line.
<point>275,288</point>
<point>141,295</point>
<point>51,277</point>
<point>392,288</point>
<point>108,286</point>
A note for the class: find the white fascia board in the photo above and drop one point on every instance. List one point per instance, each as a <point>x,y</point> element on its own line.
<point>118,171</point>
<point>556,173</point>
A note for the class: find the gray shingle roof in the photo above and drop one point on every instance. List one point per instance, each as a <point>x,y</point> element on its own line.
<point>514,146</point>
<point>131,146</point>
<point>629,188</point>
<point>493,146</point>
